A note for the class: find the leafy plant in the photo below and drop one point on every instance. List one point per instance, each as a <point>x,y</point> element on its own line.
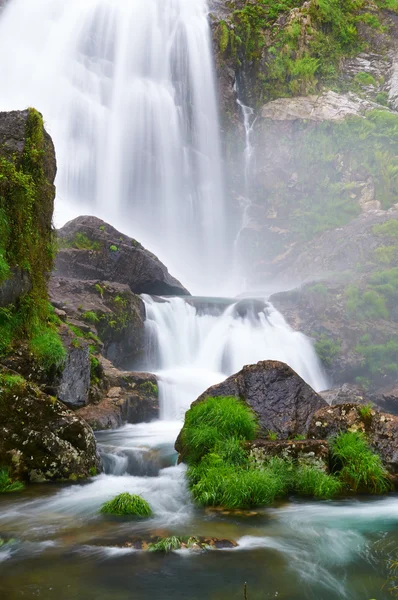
<point>166,545</point>
<point>113,248</point>
<point>365,411</point>
<point>127,504</point>
<point>6,483</point>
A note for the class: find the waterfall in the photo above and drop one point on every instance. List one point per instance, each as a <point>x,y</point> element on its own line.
<point>128,94</point>
<point>198,346</point>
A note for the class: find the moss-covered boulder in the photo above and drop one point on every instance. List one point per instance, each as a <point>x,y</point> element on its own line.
<point>40,439</point>
<point>94,250</point>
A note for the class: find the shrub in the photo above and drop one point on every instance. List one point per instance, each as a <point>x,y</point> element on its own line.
<point>214,420</point>
<point>360,469</point>
<point>365,78</point>
<point>311,481</point>
<point>6,483</point>
<point>327,349</point>
<point>47,348</point>
<point>365,305</point>
<point>127,504</point>
<point>113,248</point>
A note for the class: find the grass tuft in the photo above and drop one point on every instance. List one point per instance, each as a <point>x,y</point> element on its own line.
<point>127,504</point>
<point>361,470</point>
<point>47,348</point>
<point>166,545</point>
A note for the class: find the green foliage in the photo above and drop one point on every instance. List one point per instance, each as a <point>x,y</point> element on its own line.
<point>365,305</point>
<point>166,545</point>
<point>272,435</point>
<point>6,483</point>
<point>213,420</point>
<point>47,348</point>
<point>327,349</point>
<point>364,78</point>
<point>310,481</point>
<point>389,228</point>
<point>379,359</point>
<point>223,36</point>
<point>90,316</point>
<point>81,242</point>
<point>113,248</point>
<point>11,383</point>
<point>361,470</point>
<point>382,98</point>
<point>127,504</point>
<point>99,289</point>
<point>102,227</point>
<point>149,388</point>
<point>365,411</point>
<point>386,255</point>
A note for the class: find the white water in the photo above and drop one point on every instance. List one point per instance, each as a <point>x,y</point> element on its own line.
<point>128,94</point>
<point>197,348</point>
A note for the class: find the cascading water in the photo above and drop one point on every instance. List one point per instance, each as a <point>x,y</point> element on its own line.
<point>128,94</point>
<point>196,347</point>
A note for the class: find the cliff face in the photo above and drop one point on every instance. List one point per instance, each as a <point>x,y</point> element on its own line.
<point>321,197</point>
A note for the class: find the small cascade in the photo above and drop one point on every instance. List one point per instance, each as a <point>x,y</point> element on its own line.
<point>194,349</point>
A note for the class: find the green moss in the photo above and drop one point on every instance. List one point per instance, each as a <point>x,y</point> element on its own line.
<point>81,242</point>
<point>364,78</point>
<point>47,349</point>
<point>113,248</point>
<point>127,504</point>
<point>149,388</point>
<point>26,237</point>
<point>6,483</point>
<point>90,316</point>
<point>327,349</point>
<point>361,470</point>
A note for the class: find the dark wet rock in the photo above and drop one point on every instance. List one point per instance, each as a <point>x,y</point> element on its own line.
<point>41,440</point>
<point>306,452</point>
<point>381,429</point>
<point>107,310</point>
<point>126,397</point>
<point>112,256</point>
<point>282,400</point>
<point>387,399</point>
<point>186,542</point>
<point>74,383</point>
<point>16,286</point>
<point>355,394</point>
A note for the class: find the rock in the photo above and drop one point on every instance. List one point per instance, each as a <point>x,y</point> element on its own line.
<point>282,400</point>
<point>355,394</point>
<point>16,286</point>
<point>305,452</point>
<point>393,83</point>
<point>328,106</point>
<point>41,440</point>
<point>112,256</point>
<point>381,429</point>
<point>107,310</point>
<point>74,384</point>
<point>128,398</point>
<point>387,399</point>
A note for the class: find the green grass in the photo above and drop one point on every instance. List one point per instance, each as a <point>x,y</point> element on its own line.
<point>214,420</point>
<point>12,382</point>
<point>90,316</point>
<point>310,481</point>
<point>6,483</point>
<point>166,545</point>
<point>127,504</point>
<point>47,349</point>
<point>359,468</point>
<point>365,411</point>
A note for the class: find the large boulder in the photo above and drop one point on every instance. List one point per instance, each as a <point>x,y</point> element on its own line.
<point>127,397</point>
<point>40,439</point>
<point>380,428</point>
<point>314,453</point>
<point>283,402</point>
<point>90,249</point>
<point>347,392</point>
<point>109,311</point>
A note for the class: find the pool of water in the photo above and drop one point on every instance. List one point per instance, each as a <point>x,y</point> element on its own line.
<point>61,547</point>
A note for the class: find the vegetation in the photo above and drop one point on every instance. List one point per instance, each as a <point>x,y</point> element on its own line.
<point>81,242</point>
<point>359,468</point>
<point>365,411</point>
<point>327,349</point>
<point>166,545</point>
<point>127,504</point>
<point>6,483</point>
<point>221,472</point>
<point>47,348</point>
<point>149,388</point>
<point>26,238</point>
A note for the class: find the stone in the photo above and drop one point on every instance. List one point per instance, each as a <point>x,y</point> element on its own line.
<point>74,384</point>
<point>41,440</point>
<point>109,311</point>
<point>282,400</point>
<point>313,453</point>
<point>380,428</point>
<point>128,397</point>
<point>347,392</point>
<point>328,106</point>
<point>114,257</point>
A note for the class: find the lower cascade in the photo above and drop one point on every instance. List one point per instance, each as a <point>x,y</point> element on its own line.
<point>196,343</point>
